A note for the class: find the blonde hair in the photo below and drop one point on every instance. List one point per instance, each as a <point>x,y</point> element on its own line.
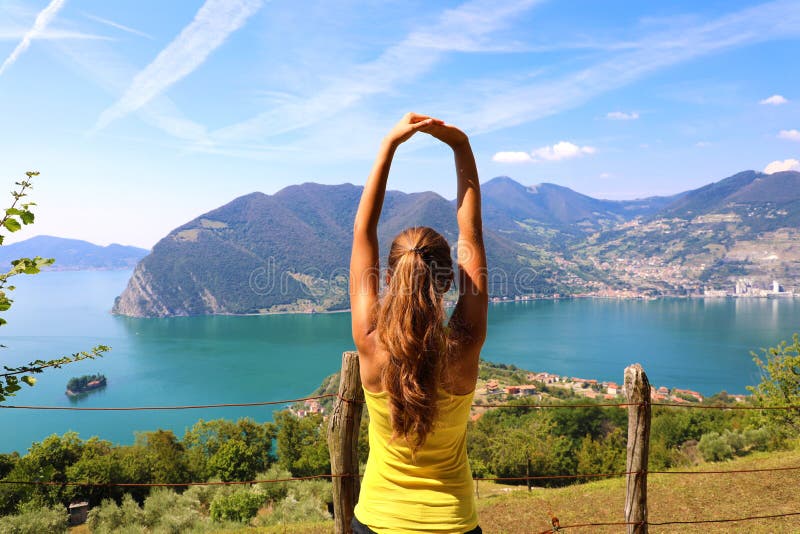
<point>411,328</point>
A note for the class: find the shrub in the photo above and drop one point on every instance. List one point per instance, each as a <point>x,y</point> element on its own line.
<point>714,447</point>
<point>273,491</point>
<point>110,518</point>
<point>168,512</point>
<point>306,501</point>
<point>203,495</point>
<point>33,519</point>
<point>240,505</point>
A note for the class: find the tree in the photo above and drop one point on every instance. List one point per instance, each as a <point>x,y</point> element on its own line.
<point>15,217</point>
<point>229,450</point>
<point>302,444</point>
<point>780,385</point>
<point>166,456</point>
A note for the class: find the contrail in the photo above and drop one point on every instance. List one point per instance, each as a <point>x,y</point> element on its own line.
<point>42,20</point>
<point>211,26</point>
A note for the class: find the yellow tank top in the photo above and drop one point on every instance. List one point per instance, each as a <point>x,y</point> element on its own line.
<point>432,493</point>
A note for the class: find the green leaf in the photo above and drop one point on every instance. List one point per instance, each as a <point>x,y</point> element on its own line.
<point>13,211</point>
<point>12,225</point>
<point>27,217</point>
<point>29,380</point>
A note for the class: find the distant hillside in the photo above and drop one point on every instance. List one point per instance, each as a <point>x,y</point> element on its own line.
<point>507,202</point>
<point>746,226</point>
<point>289,251</point>
<point>73,254</point>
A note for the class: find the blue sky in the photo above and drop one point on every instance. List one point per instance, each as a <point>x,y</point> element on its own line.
<point>143,114</point>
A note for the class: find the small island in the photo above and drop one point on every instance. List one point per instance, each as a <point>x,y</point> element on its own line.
<point>82,385</point>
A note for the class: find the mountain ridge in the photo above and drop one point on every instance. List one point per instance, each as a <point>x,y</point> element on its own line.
<point>73,254</point>
<point>543,239</point>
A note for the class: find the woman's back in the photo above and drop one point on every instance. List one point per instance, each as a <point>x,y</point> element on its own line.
<point>418,373</point>
<point>427,490</point>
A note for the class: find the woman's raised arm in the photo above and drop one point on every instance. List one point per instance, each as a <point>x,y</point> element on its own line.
<point>469,317</point>
<point>364,264</point>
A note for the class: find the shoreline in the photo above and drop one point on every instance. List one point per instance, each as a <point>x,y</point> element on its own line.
<point>497,300</point>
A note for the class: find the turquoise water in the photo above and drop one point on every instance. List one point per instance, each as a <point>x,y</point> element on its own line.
<point>703,345</point>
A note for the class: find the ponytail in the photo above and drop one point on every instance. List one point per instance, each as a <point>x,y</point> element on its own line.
<point>410,327</point>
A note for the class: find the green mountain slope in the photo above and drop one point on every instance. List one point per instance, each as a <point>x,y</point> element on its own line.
<point>289,251</point>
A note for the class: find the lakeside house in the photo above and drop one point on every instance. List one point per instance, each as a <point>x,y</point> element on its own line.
<point>689,392</point>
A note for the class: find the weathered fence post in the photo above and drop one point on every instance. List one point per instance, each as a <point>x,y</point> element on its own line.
<point>343,427</point>
<point>637,392</point>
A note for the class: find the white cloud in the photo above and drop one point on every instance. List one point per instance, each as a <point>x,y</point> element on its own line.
<point>557,152</point>
<point>528,102</point>
<point>791,135</point>
<point>622,116</point>
<point>512,157</point>
<point>49,34</point>
<point>785,165</point>
<point>118,26</point>
<point>464,27</point>
<point>774,100</point>
<point>44,18</point>
<point>212,24</point>
<point>562,150</point>
<point>605,175</point>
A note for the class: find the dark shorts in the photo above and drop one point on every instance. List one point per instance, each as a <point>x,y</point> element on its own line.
<point>361,528</point>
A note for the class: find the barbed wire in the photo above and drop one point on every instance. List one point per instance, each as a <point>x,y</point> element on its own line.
<point>599,524</point>
<point>358,401</point>
<point>184,407</point>
<point>726,520</point>
<point>332,476</point>
<point>170,484</point>
<point>559,527</point>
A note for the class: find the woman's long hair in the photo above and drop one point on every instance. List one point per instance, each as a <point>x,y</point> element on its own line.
<point>411,328</point>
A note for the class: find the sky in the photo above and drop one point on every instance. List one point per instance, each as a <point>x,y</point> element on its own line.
<point>143,114</point>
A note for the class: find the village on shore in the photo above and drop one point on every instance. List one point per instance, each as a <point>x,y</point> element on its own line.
<point>501,383</point>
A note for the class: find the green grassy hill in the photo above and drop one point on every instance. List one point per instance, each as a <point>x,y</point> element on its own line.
<point>513,510</point>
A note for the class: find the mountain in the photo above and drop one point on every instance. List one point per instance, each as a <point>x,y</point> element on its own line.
<point>505,200</point>
<point>746,227</point>
<point>73,254</point>
<point>289,251</point>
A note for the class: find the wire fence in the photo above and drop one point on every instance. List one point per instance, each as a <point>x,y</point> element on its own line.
<point>334,395</point>
<point>556,524</point>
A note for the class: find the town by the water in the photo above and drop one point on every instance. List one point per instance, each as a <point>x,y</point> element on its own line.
<point>502,383</point>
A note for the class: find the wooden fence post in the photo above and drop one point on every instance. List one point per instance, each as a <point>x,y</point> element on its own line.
<point>637,391</point>
<point>343,426</point>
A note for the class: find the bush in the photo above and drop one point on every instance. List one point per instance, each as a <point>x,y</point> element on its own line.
<point>274,491</point>
<point>33,519</point>
<point>714,447</point>
<point>110,518</point>
<point>240,505</point>
<point>168,512</point>
<point>306,501</point>
<point>203,495</point>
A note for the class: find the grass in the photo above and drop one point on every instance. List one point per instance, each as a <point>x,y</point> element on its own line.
<point>507,509</point>
<point>670,497</point>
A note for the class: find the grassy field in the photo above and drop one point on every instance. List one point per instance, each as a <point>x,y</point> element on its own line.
<point>670,498</point>
<point>507,509</point>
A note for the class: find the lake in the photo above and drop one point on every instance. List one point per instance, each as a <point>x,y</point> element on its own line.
<point>697,344</point>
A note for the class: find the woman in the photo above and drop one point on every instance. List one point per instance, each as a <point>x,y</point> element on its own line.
<point>417,369</point>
